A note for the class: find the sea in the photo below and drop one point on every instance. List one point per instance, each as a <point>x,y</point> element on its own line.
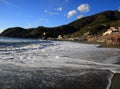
<point>46,64</point>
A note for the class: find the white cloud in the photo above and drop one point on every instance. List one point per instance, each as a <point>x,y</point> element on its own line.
<point>119,9</point>
<point>4,2</point>
<point>45,11</point>
<point>83,8</point>
<point>80,16</point>
<point>59,9</point>
<point>7,3</point>
<point>51,13</point>
<point>71,13</point>
<point>67,1</point>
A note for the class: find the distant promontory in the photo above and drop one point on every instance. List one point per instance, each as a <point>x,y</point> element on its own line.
<point>86,28</point>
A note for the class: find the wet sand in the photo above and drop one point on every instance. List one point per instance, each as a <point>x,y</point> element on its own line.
<point>115,83</point>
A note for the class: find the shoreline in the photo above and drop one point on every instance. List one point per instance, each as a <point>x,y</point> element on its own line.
<point>101,44</point>
<point>109,46</point>
<point>115,81</point>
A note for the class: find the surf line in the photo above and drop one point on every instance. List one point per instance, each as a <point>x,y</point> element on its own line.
<point>110,80</point>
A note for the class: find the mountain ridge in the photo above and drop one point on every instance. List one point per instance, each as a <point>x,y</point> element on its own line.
<point>93,25</point>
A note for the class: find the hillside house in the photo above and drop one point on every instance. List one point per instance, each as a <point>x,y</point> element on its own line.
<point>112,30</point>
<point>114,39</point>
<point>60,37</point>
<point>112,36</point>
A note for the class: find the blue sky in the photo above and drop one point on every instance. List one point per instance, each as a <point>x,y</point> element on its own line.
<point>49,13</point>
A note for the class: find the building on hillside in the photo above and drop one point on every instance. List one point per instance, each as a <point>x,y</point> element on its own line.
<point>108,32</point>
<point>112,36</point>
<point>60,37</point>
<point>114,39</point>
<point>119,29</point>
<point>112,30</point>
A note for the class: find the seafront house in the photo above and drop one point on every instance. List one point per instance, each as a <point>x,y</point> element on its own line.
<point>112,36</point>
<point>112,30</point>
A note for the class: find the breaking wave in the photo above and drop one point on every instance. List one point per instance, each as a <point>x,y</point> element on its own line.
<point>57,59</point>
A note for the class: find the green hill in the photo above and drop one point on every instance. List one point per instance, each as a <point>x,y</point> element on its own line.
<point>91,25</point>
<point>38,32</point>
<point>96,24</point>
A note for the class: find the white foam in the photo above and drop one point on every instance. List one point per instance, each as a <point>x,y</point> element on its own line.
<point>56,54</point>
<point>110,80</point>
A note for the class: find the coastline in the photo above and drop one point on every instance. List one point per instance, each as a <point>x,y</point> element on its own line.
<point>101,45</point>
<point>109,46</point>
<point>115,80</point>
